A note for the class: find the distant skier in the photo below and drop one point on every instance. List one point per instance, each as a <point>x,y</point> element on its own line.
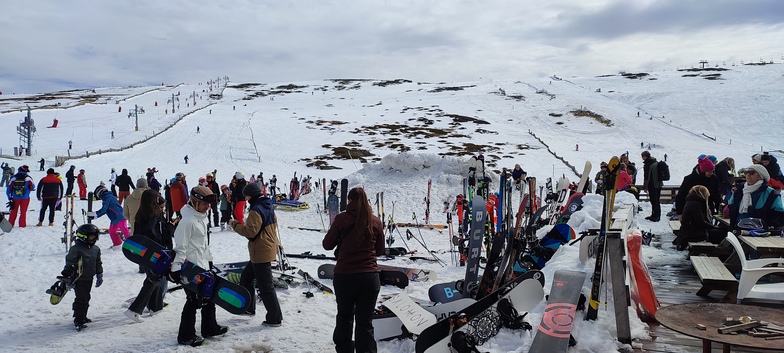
<point>577,147</point>
<point>6,174</point>
<point>41,162</point>
<point>198,130</point>
<point>186,159</point>
<point>70,178</point>
<point>70,144</point>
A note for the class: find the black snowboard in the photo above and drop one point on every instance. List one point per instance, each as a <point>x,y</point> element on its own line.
<point>555,329</point>
<point>394,278</point>
<point>343,194</point>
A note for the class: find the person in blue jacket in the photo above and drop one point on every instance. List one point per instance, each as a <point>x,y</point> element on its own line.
<point>112,209</point>
<point>756,199</point>
<point>18,192</point>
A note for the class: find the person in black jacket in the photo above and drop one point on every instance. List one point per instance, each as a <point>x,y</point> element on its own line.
<point>150,223</point>
<point>81,264</point>
<point>359,238</point>
<point>723,172</point>
<point>50,190</point>
<point>771,164</point>
<point>696,224</point>
<point>237,198</point>
<point>125,184</point>
<point>70,178</point>
<point>702,176</point>
<point>652,185</point>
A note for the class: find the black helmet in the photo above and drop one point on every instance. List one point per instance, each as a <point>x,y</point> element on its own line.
<point>99,190</point>
<point>85,231</point>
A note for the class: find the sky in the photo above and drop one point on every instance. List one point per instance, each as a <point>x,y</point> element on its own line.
<point>53,45</point>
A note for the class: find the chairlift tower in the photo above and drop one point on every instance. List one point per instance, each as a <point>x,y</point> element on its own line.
<point>135,113</point>
<point>703,63</point>
<point>26,129</point>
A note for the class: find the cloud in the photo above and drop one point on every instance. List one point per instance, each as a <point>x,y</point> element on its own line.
<point>51,45</point>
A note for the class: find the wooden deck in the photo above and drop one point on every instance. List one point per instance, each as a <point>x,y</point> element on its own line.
<point>677,285</point>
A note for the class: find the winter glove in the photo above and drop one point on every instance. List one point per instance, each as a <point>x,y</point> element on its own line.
<point>10,203</point>
<point>67,272</point>
<point>174,277</point>
<point>91,215</point>
<point>98,280</point>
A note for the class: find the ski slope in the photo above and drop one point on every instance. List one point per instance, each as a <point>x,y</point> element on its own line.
<point>415,131</point>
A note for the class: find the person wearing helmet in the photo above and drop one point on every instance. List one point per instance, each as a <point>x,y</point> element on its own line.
<point>112,209</point>
<point>225,206</point>
<point>192,245</point>
<point>601,176</point>
<point>81,264</point>
<point>81,180</point>
<point>261,230</point>
<point>213,186</point>
<point>178,190</point>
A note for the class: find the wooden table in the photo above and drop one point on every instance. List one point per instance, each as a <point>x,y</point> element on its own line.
<point>683,318</point>
<point>721,220</point>
<point>772,245</point>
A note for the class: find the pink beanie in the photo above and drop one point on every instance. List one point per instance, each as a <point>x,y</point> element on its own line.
<point>706,165</point>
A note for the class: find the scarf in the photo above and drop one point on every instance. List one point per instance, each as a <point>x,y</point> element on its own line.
<point>745,202</point>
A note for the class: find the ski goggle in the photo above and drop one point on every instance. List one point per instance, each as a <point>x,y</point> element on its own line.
<point>203,198</point>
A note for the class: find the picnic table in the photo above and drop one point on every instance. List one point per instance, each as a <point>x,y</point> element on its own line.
<point>771,246</point>
<point>684,318</point>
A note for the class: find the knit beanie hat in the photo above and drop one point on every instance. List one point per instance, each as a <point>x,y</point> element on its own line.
<point>706,165</point>
<point>141,183</point>
<point>763,173</point>
<point>712,158</point>
<point>252,190</point>
<point>239,175</point>
<point>50,171</point>
<point>757,157</point>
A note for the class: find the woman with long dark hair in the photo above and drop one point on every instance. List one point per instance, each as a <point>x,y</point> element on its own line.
<point>150,223</point>
<point>359,238</point>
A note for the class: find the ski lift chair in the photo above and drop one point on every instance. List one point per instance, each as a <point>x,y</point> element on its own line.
<point>752,271</point>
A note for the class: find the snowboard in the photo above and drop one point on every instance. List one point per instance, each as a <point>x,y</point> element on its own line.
<point>387,277</point>
<point>582,185</point>
<point>149,254</point>
<point>479,217</point>
<point>388,326</point>
<point>5,225</point>
<point>413,274</point>
<point>524,294</point>
<point>449,291</point>
<point>333,205</point>
<point>556,326</point>
<point>58,290</point>
<point>343,194</point>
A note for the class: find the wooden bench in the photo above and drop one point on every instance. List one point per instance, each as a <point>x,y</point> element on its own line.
<point>668,194</point>
<point>675,226</point>
<point>715,276</point>
<point>701,247</point>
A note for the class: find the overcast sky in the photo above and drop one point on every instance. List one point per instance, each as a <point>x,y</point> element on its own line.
<point>49,45</point>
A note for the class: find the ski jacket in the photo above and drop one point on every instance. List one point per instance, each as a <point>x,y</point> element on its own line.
<point>722,171</point>
<point>69,175</point>
<point>124,182</point>
<point>20,186</point>
<point>624,181</point>
<point>154,184</point>
<point>357,250</point>
<point>81,179</point>
<point>190,238</point>
<point>651,174</point>
<point>224,202</point>
<point>695,221</point>
<point>261,230</point>
<point>50,187</point>
<point>697,178</point>
<point>131,206</point>
<point>236,191</point>
<point>6,170</point>
<point>179,195</point>
<point>160,232</point>
<point>111,208</point>
<point>86,256</point>
<point>113,178</point>
<point>774,169</point>
<point>214,187</point>
<point>517,174</point>
<point>765,204</point>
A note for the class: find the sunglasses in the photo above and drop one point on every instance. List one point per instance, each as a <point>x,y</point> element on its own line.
<point>751,172</point>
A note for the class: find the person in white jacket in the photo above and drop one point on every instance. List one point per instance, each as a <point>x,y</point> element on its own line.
<point>192,246</point>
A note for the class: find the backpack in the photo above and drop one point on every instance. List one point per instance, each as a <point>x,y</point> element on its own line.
<point>19,187</point>
<point>664,171</point>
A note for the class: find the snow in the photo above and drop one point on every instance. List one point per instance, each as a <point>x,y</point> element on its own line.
<point>281,135</point>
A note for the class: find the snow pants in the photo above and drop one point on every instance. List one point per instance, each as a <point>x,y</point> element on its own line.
<point>81,303</point>
<point>356,295</point>
<point>19,207</point>
<point>47,204</point>
<point>262,273</point>
<point>82,191</point>
<point>150,294</point>
<point>122,226</point>
<point>122,196</point>
<point>209,325</point>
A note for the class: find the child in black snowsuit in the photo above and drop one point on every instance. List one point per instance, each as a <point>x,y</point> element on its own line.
<point>81,264</point>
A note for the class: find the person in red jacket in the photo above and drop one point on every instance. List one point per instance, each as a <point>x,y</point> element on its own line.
<point>81,180</point>
<point>50,190</point>
<point>359,238</point>
<point>179,193</point>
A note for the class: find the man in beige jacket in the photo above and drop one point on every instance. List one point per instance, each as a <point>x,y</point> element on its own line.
<point>132,202</point>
